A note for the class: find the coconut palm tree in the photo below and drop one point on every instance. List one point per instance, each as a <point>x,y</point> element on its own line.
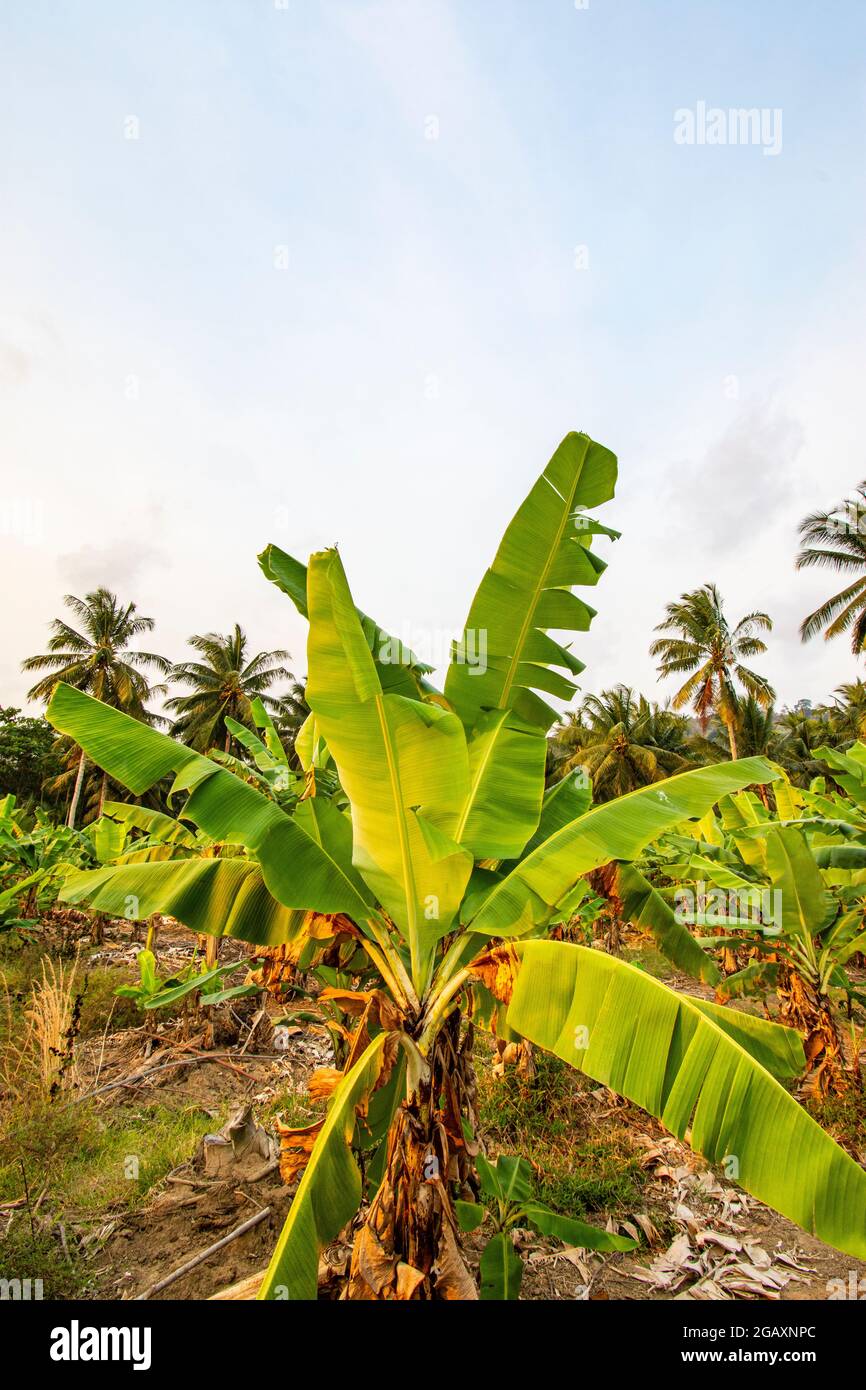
<point>95,657</point>
<point>623,742</point>
<point>292,709</point>
<point>712,652</point>
<point>800,735</point>
<point>755,729</point>
<point>223,684</point>
<point>848,713</point>
<point>836,540</point>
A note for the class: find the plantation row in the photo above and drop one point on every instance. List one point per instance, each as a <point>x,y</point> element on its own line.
<point>408,859</point>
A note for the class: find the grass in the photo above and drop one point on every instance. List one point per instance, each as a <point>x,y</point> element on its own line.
<point>100,1003</point>
<point>39,1255</point>
<point>91,1160</point>
<point>581,1167</point>
<point>88,1166</point>
<point>76,1162</point>
<point>844,1117</point>
<point>21,967</point>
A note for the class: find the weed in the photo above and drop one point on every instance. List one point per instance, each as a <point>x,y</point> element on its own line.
<point>580,1168</point>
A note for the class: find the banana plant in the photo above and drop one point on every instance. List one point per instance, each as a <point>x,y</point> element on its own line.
<point>35,857</point>
<point>789,892</point>
<point>271,771</point>
<point>153,993</point>
<point>449,866</point>
<point>507,1184</point>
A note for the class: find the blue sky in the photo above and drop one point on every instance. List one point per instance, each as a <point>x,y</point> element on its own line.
<point>285,312</point>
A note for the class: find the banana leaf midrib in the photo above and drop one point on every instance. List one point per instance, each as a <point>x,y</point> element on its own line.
<point>409,887</point>
<point>483,765</point>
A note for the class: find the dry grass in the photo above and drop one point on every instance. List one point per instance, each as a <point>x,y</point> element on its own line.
<point>41,1055</point>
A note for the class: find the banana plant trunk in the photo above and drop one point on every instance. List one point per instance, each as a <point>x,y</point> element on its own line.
<point>407,1246</point>
<point>804,1008</point>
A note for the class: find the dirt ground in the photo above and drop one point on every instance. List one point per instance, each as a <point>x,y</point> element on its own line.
<point>700,1236</point>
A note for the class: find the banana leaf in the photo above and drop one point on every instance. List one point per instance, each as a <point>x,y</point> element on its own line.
<point>296,870</point>
<point>222,897</point>
<point>617,829</point>
<point>329,1191</point>
<point>527,590</point>
<point>402,763</point>
<point>662,1051</point>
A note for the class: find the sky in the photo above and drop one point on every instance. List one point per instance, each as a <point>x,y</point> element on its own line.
<point>318,271</point>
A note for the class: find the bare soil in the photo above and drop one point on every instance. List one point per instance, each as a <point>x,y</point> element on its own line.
<point>701,1237</point>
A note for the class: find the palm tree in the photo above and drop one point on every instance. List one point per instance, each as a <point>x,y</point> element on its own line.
<point>755,733</point>
<point>291,712</point>
<point>96,787</point>
<point>754,729</point>
<point>97,659</point>
<point>837,540</point>
<point>800,735</point>
<point>713,653</point>
<point>222,685</point>
<point>623,742</point>
<point>848,714</point>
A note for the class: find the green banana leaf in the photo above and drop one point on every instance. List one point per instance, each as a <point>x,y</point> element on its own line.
<point>400,670</point>
<point>222,897</point>
<point>296,870</point>
<point>806,906</point>
<point>329,1191</point>
<point>261,754</point>
<point>402,763</point>
<point>789,799</point>
<point>469,1214</point>
<point>310,746</point>
<point>528,590</point>
<point>223,995</point>
<point>108,838</point>
<point>655,1047</point>
<point>617,829</point>
<point>757,977</point>
<point>563,803</point>
<point>509,1178</point>
<point>273,742</point>
<point>645,907</point>
<point>501,1269</point>
<point>170,994</point>
<point>777,1048</point>
<point>836,856</point>
<point>10,894</point>
<point>719,874</point>
<point>848,769</point>
<point>572,1232</point>
<point>157,825</point>
<point>506,786</point>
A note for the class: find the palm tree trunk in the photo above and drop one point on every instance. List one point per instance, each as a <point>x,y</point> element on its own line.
<point>732,739</point>
<point>73,805</point>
